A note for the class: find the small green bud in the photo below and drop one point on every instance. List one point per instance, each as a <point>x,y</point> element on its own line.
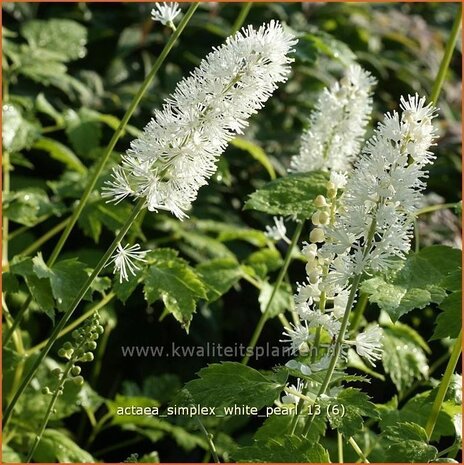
<point>100,329</point>
<point>62,352</point>
<point>75,334</point>
<point>78,380</point>
<point>56,372</point>
<point>87,357</point>
<point>92,345</point>
<point>93,336</point>
<point>75,370</point>
<point>67,345</point>
<point>46,391</point>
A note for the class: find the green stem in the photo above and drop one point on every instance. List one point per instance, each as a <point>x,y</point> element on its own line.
<point>246,7</point>
<point>116,136</point>
<point>433,208</point>
<point>6,190</point>
<point>445,62</point>
<point>338,346</point>
<point>358,312</point>
<point>50,408</point>
<point>265,315</point>
<point>340,446</point>
<point>47,236</point>
<point>23,229</point>
<point>358,450</point>
<point>209,439</point>
<point>444,385</point>
<point>62,323</point>
<point>110,296</point>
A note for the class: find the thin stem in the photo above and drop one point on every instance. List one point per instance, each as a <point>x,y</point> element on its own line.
<point>358,450</point>
<point>265,315</point>
<point>116,136</point>
<point>5,191</point>
<point>440,206</point>
<point>47,236</point>
<point>50,409</point>
<point>60,326</point>
<point>246,7</point>
<point>444,385</point>
<point>445,62</point>
<point>23,229</point>
<point>110,296</point>
<point>209,439</point>
<point>358,311</point>
<point>340,447</point>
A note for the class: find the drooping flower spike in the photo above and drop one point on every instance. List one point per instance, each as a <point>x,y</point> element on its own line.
<point>179,148</point>
<point>337,125</point>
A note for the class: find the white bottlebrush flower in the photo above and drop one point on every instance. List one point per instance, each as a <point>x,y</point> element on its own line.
<point>165,13</point>
<point>278,231</point>
<point>337,125</point>
<point>368,344</point>
<point>178,149</point>
<point>383,192</point>
<point>124,260</point>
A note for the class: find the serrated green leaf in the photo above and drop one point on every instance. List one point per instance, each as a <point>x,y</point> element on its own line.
<point>64,37</point>
<point>27,206</point>
<point>219,275</point>
<point>239,385</point>
<point>55,446</point>
<point>40,289</point>
<point>449,322</point>
<point>420,281</point>
<point>290,449</point>
<point>256,152</point>
<point>291,195</point>
<point>60,152</point>
<point>408,443</point>
<point>264,261</point>
<point>403,359</point>
<point>356,405</point>
<point>17,132</point>
<point>66,279</point>
<point>171,279</point>
<point>417,410</point>
<point>83,131</point>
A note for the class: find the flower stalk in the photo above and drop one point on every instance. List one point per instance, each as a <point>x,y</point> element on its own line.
<point>103,160</point>
<point>65,318</point>
<point>265,315</point>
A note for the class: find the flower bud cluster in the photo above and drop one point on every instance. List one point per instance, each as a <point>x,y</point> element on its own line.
<point>79,350</point>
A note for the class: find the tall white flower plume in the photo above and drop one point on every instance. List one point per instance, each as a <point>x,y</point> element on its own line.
<point>337,124</point>
<point>383,192</point>
<point>179,148</point>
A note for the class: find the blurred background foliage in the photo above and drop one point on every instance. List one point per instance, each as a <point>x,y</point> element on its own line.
<point>70,72</point>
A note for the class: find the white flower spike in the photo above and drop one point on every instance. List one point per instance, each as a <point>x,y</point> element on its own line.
<point>165,13</point>
<point>124,258</point>
<point>337,124</point>
<point>178,149</point>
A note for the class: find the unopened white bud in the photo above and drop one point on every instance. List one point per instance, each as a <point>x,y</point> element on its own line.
<point>317,235</point>
<point>320,201</point>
